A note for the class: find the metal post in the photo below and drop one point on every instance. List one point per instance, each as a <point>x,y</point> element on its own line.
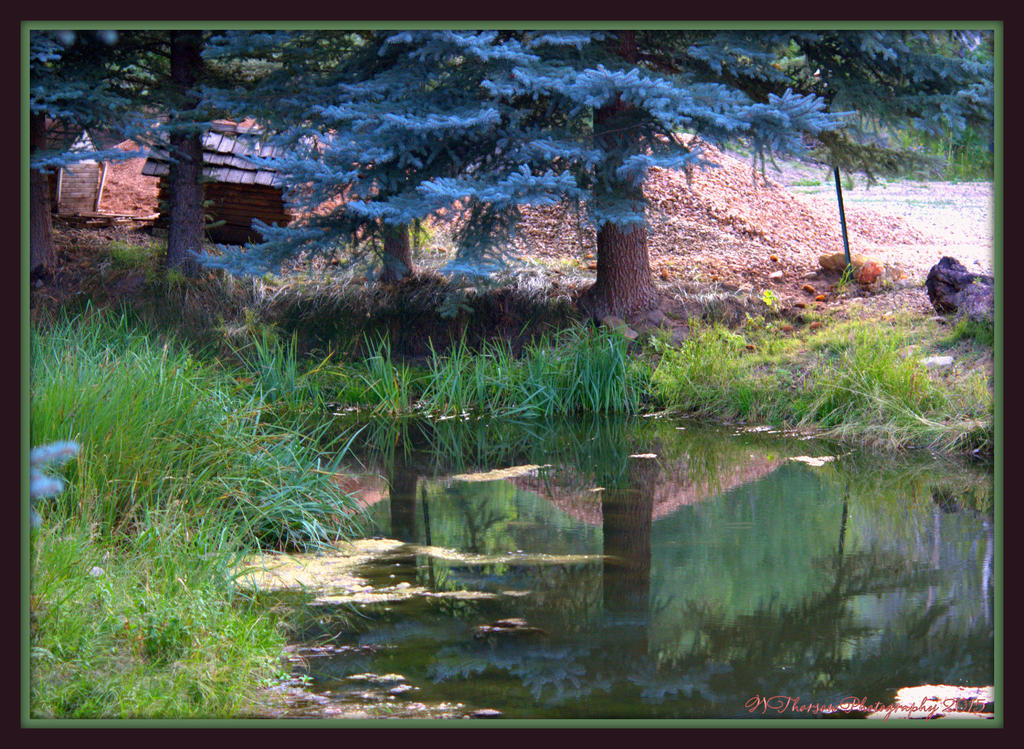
<point>842,215</point>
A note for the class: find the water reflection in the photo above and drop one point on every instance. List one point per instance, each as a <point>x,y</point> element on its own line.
<point>655,569</point>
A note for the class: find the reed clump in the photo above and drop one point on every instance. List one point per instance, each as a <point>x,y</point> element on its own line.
<point>574,372</point>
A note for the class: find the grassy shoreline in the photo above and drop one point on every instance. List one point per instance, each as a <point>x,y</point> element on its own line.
<point>861,382</point>
<point>133,610</point>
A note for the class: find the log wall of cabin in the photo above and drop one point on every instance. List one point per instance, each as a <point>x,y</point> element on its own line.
<point>236,205</point>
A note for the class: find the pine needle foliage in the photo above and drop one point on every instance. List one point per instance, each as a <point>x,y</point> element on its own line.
<point>387,128</point>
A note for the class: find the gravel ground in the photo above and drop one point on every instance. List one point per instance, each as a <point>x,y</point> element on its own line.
<point>954,218</point>
<point>729,226</point>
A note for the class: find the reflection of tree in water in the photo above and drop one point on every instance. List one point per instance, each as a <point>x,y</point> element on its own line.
<point>567,597</point>
<point>600,653</point>
<point>627,515</point>
<point>815,649</point>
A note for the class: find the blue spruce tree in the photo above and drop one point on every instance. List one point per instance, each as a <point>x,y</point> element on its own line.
<point>382,130</point>
<point>389,128</point>
<point>143,85</point>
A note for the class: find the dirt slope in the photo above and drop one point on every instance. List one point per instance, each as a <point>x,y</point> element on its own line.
<point>729,224</point>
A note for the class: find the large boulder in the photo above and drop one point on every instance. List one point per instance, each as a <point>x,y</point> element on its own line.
<point>952,288</point>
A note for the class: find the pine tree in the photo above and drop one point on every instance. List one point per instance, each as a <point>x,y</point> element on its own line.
<point>144,85</point>
<point>383,130</point>
<point>888,80</point>
<point>184,181</point>
<point>396,127</point>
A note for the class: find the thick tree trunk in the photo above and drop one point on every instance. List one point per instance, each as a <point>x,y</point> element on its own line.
<point>185,189</point>
<point>42,251</point>
<point>623,284</point>
<point>397,254</point>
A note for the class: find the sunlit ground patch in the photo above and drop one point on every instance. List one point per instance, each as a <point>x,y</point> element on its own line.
<point>328,571</point>
<point>333,575</point>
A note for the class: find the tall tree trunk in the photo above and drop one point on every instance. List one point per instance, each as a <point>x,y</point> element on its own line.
<point>42,251</point>
<point>185,188</point>
<point>623,284</point>
<point>402,483</point>
<point>397,253</point>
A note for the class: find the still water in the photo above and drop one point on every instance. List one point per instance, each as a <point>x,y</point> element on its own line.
<point>645,568</point>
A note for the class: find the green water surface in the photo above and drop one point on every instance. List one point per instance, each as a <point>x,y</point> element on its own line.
<point>655,569</point>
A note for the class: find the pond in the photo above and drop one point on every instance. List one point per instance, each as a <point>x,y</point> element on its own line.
<point>643,568</point>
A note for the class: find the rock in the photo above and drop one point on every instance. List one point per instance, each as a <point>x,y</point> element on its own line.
<point>870,272</point>
<point>656,316</point>
<point>617,323</point>
<point>678,337</point>
<point>937,361</point>
<point>776,275</point>
<point>514,627</point>
<point>512,623</point>
<point>867,270</point>
<point>486,712</point>
<point>977,302</point>
<point>809,289</point>
<point>952,288</point>
<point>836,262</point>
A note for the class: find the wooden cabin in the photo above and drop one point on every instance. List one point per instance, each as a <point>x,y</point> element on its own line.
<point>237,189</point>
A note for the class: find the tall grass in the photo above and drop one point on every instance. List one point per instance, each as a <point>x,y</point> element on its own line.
<point>965,155</point>
<point>133,609</point>
<point>153,629</point>
<point>157,427</point>
<point>576,371</point>
<point>388,383</point>
<point>292,392</point>
<point>854,382</point>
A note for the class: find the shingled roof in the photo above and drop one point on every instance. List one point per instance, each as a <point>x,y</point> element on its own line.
<point>227,148</point>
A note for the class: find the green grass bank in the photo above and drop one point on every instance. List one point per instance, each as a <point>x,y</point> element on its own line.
<point>182,470</point>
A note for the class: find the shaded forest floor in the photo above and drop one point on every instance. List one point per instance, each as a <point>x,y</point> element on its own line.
<point>721,231</point>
